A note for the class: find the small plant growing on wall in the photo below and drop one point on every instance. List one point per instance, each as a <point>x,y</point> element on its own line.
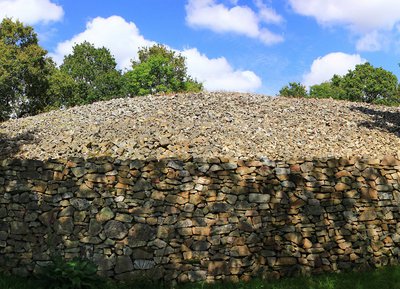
<point>72,274</point>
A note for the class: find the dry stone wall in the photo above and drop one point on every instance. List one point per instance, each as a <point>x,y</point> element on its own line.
<point>191,220</point>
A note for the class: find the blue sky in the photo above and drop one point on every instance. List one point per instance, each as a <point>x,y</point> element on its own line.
<point>239,45</point>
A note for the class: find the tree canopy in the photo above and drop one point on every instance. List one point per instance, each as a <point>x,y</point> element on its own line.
<point>366,83</point>
<point>86,75</point>
<point>24,71</point>
<point>326,90</point>
<point>30,81</point>
<point>159,70</point>
<point>294,89</point>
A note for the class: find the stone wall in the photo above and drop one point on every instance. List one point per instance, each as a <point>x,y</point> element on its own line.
<point>190,220</point>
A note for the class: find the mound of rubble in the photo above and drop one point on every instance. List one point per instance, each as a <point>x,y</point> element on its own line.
<point>204,125</point>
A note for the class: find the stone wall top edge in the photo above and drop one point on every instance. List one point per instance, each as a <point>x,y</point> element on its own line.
<point>387,160</point>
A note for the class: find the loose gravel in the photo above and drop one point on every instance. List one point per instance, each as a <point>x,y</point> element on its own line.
<point>206,125</point>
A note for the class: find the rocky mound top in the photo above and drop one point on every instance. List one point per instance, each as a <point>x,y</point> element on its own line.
<point>206,125</point>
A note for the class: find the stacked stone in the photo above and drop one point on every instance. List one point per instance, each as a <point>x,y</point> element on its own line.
<point>195,219</point>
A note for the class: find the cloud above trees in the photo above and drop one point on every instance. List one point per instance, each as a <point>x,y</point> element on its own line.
<point>218,74</point>
<point>124,40</point>
<point>31,11</point>
<point>323,68</point>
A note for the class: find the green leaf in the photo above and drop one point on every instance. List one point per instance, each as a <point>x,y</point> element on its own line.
<point>90,75</point>
<point>24,71</point>
<point>158,70</point>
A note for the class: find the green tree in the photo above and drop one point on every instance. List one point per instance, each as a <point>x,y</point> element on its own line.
<point>367,83</point>
<point>159,70</point>
<point>90,75</point>
<point>24,71</point>
<point>294,89</point>
<point>326,90</point>
<point>63,89</point>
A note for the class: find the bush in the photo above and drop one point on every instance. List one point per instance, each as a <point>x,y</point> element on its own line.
<point>73,274</point>
<point>159,70</point>
<point>294,89</point>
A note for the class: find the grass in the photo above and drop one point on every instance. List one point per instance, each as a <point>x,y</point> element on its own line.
<point>382,278</point>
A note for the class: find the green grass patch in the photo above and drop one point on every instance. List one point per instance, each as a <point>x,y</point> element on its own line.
<point>14,282</point>
<point>382,278</point>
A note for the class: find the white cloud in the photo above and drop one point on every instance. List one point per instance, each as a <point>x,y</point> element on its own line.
<point>218,74</point>
<point>121,37</point>
<point>31,11</point>
<point>323,68</point>
<point>367,19</point>
<point>124,40</point>
<point>373,41</point>
<point>237,19</point>
<point>360,15</point>
<point>268,15</point>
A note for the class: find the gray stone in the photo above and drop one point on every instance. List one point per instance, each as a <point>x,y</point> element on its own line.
<point>286,261</point>
<point>196,276</point>
<point>259,198</point>
<point>384,188</point>
<point>282,171</point>
<point>204,168</point>
<point>141,254</point>
<point>123,264</point>
<point>64,226</point>
<point>80,204</point>
<point>216,268</point>
<point>314,210</point>
<point>184,223</point>
<point>245,226</point>
<point>95,227</point>
<point>349,215</point>
<point>67,211</point>
<point>142,185</point>
<point>86,192</point>
<point>368,215</point>
<point>19,228</point>
<point>48,218</point>
<point>229,166</point>
<point>216,168</point>
<point>200,245</point>
<point>104,263</point>
<point>142,232</point>
<point>295,238</point>
<point>124,218</point>
<point>115,230</point>
<point>104,215</point>
<point>78,172</point>
<point>224,229</point>
<point>307,167</point>
<point>143,264</point>
<point>239,251</point>
<point>220,208</point>
<point>159,243</point>
<point>175,165</point>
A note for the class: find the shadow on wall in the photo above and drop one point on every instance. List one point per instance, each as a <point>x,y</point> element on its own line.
<point>379,119</point>
<point>343,214</point>
<point>11,146</point>
<point>199,220</point>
